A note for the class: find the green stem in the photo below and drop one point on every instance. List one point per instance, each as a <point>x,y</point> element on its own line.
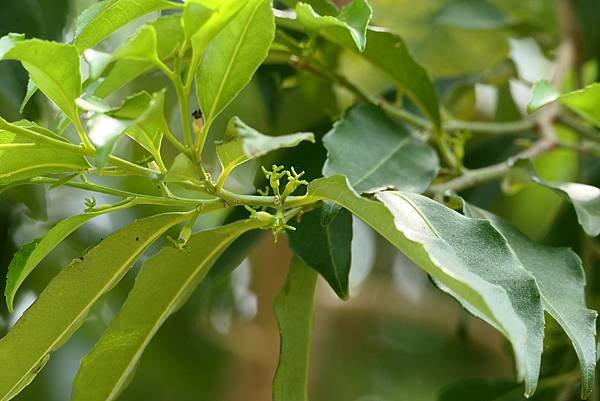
<point>184,106</point>
<point>83,136</point>
<point>471,178</point>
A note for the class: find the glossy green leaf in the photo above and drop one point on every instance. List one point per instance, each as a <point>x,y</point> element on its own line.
<point>583,101</point>
<point>242,143</point>
<point>389,53</point>
<point>467,258</point>
<point>232,57</point>
<point>53,67</point>
<point>195,15</point>
<point>103,18</point>
<point>294,308</point>
<point>31,90</point>
<point>374,151</point>
<point>165,282</point>
<point>354,18</point>
<point>30,255</point>
<point>22,158</point>
<point>323,240</point>
<point>59,310</point>
<point>169,36</point>
<point>560,277</point>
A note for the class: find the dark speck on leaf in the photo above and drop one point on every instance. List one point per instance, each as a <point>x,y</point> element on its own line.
<point>81,257</point>
<point>137,238</point>
<point>197,114</point>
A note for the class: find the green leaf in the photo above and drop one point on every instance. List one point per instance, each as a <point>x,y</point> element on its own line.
<point>294,308</point>
<point>389,53</point>
<point>31,90</point>
<point>30,255</point>
<point>62,306</point>
<point>323,7</point>
<point>169,36</point>
<point>53,67</point>
<point>583,101</point>
<point>323,240</point>
<point>195,15</point>
<point>560,277</point>
<point>354,19</point>
<point>101,19</point>
<point>242,143</point>
<point>542,94</point>
<point>165,282</point>
<point>585,200</point>
<point>22,158</point>
<point>151,125</point>
<point>468,258</point>
<point>233,56</point>
<point>374,151</point>
<point>143,45</point>
<point>182,170</point>
<point>106,128</point>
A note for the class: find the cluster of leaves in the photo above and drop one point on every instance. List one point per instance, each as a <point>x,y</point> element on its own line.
<point>381,160</point>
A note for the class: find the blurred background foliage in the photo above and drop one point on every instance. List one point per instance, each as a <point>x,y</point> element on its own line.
<point>398,338</point>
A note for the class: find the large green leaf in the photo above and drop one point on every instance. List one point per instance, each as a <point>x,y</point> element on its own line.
<point>22,158</point>
<point>232,57</point>
<point>323,240</point>
<point>204,27</point>
<point>560,276</point>
<point>62,306</point>
<point>388,52</point>
<point>169,36</point>
<point>583,101</point>
<point>52,66</point>
<point>374,151</point>
<point>31,254</point>
<point>162,286</point>
<point>101,19</point>
<point>468,258</point>
<point>294,308</point>
<point>353,19</point>
<point>242,143</point>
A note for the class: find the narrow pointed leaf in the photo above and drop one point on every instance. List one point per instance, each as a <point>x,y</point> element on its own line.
<point>22,158</point>
<point>121,71</point>
<point>323,240</point>
<point>323,7</point>
<point>31,254</point>
<point>468,258</point>
<point>242,143</point>
<point>182,170</point>
<point>294,308</point>
<point>353,20</point>
<point>374,151</point>
<point>103,18</point>
<point>233,56</point>
<point>53,67</point>
<point>560,276</point>
<point>59,310</point>
<point>162,286</point>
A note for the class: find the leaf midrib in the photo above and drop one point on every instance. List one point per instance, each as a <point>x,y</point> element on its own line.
<point>89,305</point>
<point>163,316</point>
<point>238,46</point>
<point>384,160</point>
